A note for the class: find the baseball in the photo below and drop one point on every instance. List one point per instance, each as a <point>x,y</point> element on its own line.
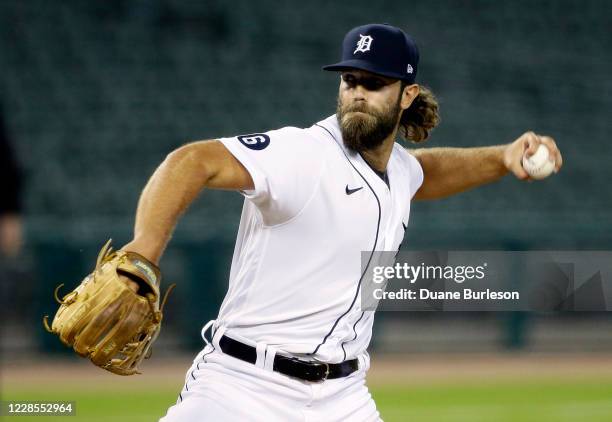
<point>538,166</point>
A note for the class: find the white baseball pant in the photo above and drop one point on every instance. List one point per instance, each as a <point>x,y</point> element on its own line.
<point>219,387</point>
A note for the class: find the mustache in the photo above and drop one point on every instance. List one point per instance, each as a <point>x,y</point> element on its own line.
<point>358,107</point>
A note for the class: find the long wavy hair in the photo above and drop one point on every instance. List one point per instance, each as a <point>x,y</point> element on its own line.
<point>421,117</point>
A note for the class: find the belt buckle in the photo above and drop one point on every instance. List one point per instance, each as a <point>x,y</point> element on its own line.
<point>326,374</point>
<point>312,365</point>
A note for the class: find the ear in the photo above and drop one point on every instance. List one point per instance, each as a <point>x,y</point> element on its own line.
<point>408,96</point>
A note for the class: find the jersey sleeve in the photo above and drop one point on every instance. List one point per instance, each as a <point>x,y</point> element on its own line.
<point>285,166</point>
<point>416,173</point>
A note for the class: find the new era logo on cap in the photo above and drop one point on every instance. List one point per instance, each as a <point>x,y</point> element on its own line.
<point>379,48</point>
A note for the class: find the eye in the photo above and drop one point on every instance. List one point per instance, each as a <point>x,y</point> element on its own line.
<point>348,79</point>
<point>373,84</point>
<point>377,84</point>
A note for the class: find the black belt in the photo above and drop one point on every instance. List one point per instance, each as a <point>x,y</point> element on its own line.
<point>293,367</point>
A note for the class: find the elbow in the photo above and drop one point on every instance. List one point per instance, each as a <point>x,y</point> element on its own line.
<point>190,159</point>
<point>181,155</point>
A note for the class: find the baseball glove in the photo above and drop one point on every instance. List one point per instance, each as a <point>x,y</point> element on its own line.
<point>106,320</point>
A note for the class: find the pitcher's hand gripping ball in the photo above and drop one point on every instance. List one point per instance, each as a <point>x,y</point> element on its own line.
<point>539,165</point>
<point>106,320</point>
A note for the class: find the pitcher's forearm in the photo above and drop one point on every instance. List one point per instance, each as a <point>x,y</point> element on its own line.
<point>172,188</point>
<point>448,171</point>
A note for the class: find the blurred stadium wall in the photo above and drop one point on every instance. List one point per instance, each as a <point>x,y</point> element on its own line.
<point>97,93</point>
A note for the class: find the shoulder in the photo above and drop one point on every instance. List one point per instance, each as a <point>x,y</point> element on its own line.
<point>302,143</point>
<point>291,134</point>
<point>295,144</point>
<point>277,138</point>
<point>313,134</point>
<point>406,158</point>
<point>411,167</point>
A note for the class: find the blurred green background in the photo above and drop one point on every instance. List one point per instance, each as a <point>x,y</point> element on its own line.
<point>95,94</point>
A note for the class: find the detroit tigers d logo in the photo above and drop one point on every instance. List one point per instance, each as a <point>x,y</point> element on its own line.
<point>256,141</point>
<point>364,43</point>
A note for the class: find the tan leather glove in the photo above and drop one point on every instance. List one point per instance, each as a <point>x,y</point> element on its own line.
<point>107,321</point>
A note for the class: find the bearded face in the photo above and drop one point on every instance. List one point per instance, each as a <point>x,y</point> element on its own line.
<point>364,127</point>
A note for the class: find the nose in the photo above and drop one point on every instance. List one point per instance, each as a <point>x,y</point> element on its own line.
<point>358,93</point>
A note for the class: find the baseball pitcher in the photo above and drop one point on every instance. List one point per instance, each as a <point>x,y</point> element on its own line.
<point>290,340</point>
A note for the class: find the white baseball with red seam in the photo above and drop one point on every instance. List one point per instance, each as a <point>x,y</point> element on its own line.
<point>538,166</point>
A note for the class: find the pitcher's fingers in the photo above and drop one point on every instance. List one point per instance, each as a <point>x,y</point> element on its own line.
<point>532,142</point>
<point>555,152</point>
<point>131,284</point>
<point>519,171</point>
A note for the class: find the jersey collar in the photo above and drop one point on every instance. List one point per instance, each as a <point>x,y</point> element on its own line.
<point>333,127</point>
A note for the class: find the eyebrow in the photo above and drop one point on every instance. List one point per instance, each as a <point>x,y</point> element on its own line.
<point>387,81</point>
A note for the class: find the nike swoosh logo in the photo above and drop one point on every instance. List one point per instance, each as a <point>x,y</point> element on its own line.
<point>352,191</point>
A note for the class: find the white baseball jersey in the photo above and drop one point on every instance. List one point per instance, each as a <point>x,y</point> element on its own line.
<point>316,205</point>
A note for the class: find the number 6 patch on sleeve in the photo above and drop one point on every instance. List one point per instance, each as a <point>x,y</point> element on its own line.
<point>256,141</point>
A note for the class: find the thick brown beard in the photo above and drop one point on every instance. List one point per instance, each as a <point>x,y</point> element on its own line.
<point>362,132</point>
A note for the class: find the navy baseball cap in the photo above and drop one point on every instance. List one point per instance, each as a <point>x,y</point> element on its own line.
<point>379,48</point>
